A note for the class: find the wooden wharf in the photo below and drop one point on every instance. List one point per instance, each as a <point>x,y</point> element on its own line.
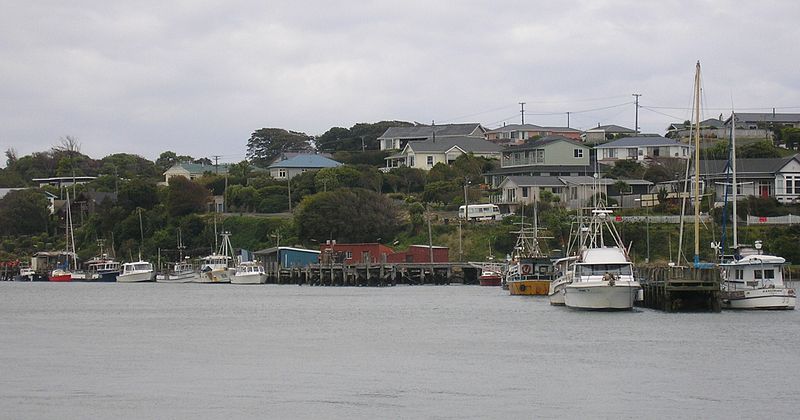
<point>681,289</point>
<point>376,275</point>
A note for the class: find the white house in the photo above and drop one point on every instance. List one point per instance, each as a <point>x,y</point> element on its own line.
<point>193,171</point>
<point>427,153</point>
<point>765,177</point>
<point>642,148</point>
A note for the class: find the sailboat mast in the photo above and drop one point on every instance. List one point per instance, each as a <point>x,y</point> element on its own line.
<point>697,164</point>
<point>735,185</point>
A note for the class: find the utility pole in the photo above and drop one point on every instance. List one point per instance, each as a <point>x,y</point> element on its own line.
<point>522,111</point>
<point>216,163</point>
<point>636,123</point>
<point>567,119</point>
<point>466,203</point>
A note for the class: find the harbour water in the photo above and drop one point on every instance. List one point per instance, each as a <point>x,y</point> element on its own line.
<point>133,351</point>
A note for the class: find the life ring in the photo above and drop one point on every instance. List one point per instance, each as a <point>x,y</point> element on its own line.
<point>521,287</point>
<point>526,269</point>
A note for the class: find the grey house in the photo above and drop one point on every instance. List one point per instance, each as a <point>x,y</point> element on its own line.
<point>548,156</point>
<point>396,138</point>
<point>766,177</point>
<point>604,133</point>
<point>289,168</point>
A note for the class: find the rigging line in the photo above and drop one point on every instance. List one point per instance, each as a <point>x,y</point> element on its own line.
<point>503,120</point>
<point>658,112</point>
<point>582,111</point>
<point>479,113</point>
<point>577,100</point>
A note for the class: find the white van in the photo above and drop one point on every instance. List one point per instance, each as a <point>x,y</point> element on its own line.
<point>480,212</point>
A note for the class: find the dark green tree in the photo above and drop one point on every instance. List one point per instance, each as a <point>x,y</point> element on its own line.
<point>23,212</point>
<point>266,144</point>
<point>347,215</point>
<point>185,197</point>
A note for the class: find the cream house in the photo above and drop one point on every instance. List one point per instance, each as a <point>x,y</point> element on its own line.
<point>426,154</point>
<point>193,171</point>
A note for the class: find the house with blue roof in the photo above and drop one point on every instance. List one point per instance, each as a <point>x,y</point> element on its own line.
<point>642,148</point>
<point>289,168</point>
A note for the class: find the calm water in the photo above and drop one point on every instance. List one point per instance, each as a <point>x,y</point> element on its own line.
<point>76,351</point>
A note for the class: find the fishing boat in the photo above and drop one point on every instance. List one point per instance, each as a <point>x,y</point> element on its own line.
<point>26,273</point>
<point>137,272</point>
<point>102,269</point>
<point>602,276</point>
<point>249,272</point>
<point>562,277</point>
<point>529,271</point>
<point>182,270</point>
<point>751,279</point>
<point>63,270</point>
<point>490,277</point>
<point>216,268</point>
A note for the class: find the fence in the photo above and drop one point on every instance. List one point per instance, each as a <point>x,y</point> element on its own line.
<point>658,219</point>
<point>789,219</point>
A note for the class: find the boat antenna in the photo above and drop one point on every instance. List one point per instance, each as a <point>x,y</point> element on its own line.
<point>735,185</point>
<point>141,232</point>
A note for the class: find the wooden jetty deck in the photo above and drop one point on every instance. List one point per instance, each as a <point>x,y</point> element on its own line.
<point>678,289</point>
<point>376,275</point>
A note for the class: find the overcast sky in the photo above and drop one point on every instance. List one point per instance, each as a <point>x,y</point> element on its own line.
<point>198,77</point>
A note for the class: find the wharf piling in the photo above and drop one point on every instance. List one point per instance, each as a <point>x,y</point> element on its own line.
<point>679,289</point>
<point>375,275</point>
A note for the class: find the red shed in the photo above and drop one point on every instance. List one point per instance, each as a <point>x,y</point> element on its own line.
<point>360,253</point>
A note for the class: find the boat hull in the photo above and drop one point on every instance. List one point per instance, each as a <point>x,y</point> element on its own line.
<point>529,287</point>
<point>600,296</point>
<point>759,299</point>
<point>136,277</point>
<point>60,276</point>
<point>489,280</point>
<point>253,278</point>
<point>177,278</point>
<point>556,291</point>
<point>214,276</point>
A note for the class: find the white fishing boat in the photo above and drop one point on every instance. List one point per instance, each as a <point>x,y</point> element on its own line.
<point>181,271</point>
<point>563,277</point>
<point>249,272</point>
<point>136,272</point>
<point>602,275</point>
<point>216,268</point>
<point>753,280</point>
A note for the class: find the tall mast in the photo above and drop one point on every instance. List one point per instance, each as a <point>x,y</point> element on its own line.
<point>733,169</point>
<point>697,198</point>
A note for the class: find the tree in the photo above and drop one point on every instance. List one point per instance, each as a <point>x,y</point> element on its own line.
<point>626,169</point>
<point>789,136</point>
<point>23,212</point>
<point>347,215</point>
<point>68,144</point>
<point>137,193</point>
<point>167,159</point>
<point>360,137</point>
<point>185,197</point>
<point>266,144</point>
<point>761,149</point>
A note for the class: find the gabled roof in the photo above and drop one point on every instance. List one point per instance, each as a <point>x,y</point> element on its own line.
<point>747,166</point>
<point>199,168</point>
<point>641,141</point>
<point>544,141</point>
<point>528,181</point>
<point>765,117</point>
<point>443,144</point>
<point>560,181</point>
<point>273,250</point>
<point>516,127</point>
<point>611,128</point>
<point>426,131</point>
<point>311,161</point>
<point>709,123</point>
